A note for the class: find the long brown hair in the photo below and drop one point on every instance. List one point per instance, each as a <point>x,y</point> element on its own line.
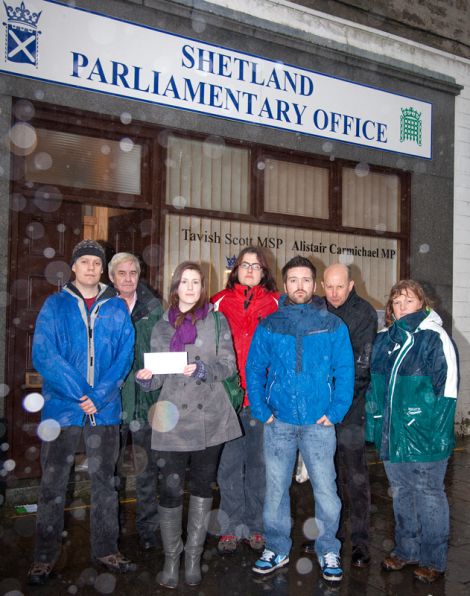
<point>175,282</point>
<point>403,287</point>
<point>267,279</point>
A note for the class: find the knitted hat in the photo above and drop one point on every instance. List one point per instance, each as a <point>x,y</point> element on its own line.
<point>88,247</point>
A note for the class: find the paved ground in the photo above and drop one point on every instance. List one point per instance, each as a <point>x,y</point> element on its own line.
<point>231,576</point>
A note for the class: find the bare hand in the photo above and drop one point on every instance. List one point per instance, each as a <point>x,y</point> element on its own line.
<point>324,421</point>
<point>144,374</point>
<point>189,369</point>
<point>270,419</point>
<point>87,405</point>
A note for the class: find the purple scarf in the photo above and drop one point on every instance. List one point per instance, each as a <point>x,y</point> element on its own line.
<point>186,333</point>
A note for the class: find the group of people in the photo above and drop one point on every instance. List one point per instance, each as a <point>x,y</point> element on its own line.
<point>317,379</point>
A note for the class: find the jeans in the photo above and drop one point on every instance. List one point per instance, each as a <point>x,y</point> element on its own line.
<point>172,470</point>
<point>57,457</point>
<point>241,480</point>
<point>353,480</point>
<point>421,512</point>
<point>146,474</point>
<point>317,445</point>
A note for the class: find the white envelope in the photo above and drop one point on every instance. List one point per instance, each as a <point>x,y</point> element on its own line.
<point>165,363</point>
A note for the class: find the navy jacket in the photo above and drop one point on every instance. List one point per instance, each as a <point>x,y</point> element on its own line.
<point>300,365</point>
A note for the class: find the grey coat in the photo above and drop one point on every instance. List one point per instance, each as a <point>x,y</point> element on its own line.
<point>191,414</point>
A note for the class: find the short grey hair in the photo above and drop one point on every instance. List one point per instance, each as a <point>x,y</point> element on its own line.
<point>122,257</point>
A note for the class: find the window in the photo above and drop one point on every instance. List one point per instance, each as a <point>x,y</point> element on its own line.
<point>207,175</point>
<point>80,161</point>
<point>296,189</point>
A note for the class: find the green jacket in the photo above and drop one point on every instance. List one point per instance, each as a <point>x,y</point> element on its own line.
<point>146,312</point>
<point>410,403</point>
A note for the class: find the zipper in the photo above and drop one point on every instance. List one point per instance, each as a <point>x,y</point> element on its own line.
<point>393,378</point>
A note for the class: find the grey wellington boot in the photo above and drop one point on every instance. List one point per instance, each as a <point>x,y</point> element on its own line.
<point>170,529</point>
<point>198,518</point>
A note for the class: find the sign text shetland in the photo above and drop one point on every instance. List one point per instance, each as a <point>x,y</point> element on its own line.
<point>87,51</point>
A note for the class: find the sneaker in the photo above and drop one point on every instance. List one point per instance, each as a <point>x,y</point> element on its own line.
<point>256,541</point>
<point>116,563</point>
<point>39,573</point>
<point>269,562</point>
<point>330,564</point>
<point>227,545</point>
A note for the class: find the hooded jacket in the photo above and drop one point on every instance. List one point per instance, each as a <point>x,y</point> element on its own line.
<point>308,357</point>
<point>244,307</point>
<point>410,404</point>
<point>80,352</point>
<point>146,312</point>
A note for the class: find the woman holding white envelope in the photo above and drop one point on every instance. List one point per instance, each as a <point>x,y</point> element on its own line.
<point>193,417</point>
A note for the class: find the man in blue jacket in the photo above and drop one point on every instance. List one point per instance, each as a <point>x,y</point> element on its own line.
<point>300,378</point>
<point>83,349</point>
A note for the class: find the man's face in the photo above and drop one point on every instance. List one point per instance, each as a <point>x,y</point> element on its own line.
<point>88,270</point>
<point>125,278</point>
<point>337,286</point>
<point>299,285</point>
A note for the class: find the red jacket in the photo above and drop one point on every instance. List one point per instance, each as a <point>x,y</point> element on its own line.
<point>244,307</point>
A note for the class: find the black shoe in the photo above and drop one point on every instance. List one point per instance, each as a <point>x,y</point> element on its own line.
<point>360,556</point>
<point>309,547</point>
<point>39,573</point>
<point>116,563</point>
<point>149,541</point>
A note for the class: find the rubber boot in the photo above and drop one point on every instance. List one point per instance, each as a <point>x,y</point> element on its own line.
<point>198,519</point>
<point>170,529</point>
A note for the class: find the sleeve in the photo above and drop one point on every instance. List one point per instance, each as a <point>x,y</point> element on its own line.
<point>365,332</point>
<point>342,371</point>
<point>155,345</point>
<point>224,365</point>
<point>123,357</point>
<point>258,362</point>
<point>66,381</point>
<point>443,365</point>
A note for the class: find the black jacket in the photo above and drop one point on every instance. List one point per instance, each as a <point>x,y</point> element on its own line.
<point>361,320</point>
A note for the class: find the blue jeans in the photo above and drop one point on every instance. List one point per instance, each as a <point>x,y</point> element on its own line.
<point>317,445</point>
<point>241,479</point>
<point>421,512</point>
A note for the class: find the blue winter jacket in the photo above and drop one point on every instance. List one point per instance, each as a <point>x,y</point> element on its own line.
<point>300,365</point>
<point>79,353</point>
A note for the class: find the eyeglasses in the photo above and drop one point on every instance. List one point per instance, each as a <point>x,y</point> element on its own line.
<point>254,266</point>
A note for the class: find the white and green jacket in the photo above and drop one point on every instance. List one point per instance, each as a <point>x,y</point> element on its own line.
<point>411,400</point>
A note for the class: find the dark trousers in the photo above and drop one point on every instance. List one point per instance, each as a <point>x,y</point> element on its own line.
<point>242,480</point>
<point>172,468</point>
<point>57,457</point>
<point>353,475</point>
<point>146,474</point>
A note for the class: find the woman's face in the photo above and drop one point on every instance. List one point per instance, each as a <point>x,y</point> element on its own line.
<point>406,303</point>
<point>250,271</point>
<point>189,289</point>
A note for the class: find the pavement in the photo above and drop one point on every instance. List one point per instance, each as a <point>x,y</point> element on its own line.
<point>231,575</point>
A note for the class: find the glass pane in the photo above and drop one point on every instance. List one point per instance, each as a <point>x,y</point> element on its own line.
<point>371,200</point>
<point>67,159</point>
<point>207,175</point>
<point>296,189</point>
<point>215,243</point>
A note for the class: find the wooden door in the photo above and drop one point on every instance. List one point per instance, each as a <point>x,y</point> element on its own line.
<point>42,238</point>
<point>132,232</point>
